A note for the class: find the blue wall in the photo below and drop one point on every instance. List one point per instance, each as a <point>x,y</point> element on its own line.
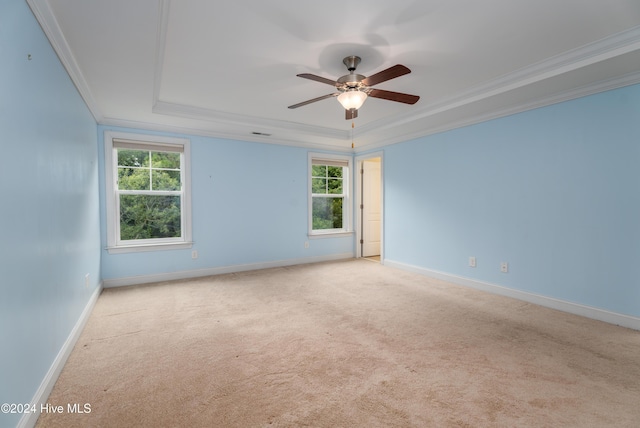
<point>249,207</point>
<point>50,208</point>
<point>553,191</point>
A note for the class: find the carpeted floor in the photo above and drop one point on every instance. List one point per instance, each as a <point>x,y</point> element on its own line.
<point>342,344</point>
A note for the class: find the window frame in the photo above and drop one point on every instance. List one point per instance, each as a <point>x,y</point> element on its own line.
<point>347,218</point>
<point>152,143</point>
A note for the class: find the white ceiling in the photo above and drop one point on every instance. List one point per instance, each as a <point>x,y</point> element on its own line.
<point>228,69</point>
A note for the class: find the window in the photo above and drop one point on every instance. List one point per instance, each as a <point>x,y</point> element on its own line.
<point>148,192</point>
<point>329,184</point>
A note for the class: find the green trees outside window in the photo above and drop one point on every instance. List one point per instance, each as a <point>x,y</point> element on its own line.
<point>149,187</point>
<point>327,188</point>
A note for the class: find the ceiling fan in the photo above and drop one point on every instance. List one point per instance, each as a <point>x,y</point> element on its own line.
<point>353,89</point>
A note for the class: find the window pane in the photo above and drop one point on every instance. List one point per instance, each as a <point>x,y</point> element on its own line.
<point>147,217</point>
<point>319,185</point>
<point>165,160</point>
<point>334,186</point>
<point>327,213</point>
<point>137,158</point>
<point>165,180</point>
<point>319,171</point>
<point>133,179</point>
<point>334,171</point>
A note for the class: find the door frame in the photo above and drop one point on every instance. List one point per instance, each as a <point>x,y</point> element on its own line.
<point>358,201</point>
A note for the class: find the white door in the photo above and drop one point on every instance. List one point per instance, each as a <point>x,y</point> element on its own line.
<point>372,207</point>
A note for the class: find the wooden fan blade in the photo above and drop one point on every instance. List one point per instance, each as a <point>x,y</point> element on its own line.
<point>394,96</point>
<point>324,97</point>
<point>318,78</point>
<point>388,74</point>
<point>350,113</point>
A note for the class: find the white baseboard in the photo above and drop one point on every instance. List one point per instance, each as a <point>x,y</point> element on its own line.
<point>549,302</point>
<point>29,420</point>
<point>171,276</point>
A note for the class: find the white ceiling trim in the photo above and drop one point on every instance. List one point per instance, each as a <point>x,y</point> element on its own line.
<point>199,113</point>
<point>249,137</point>
<point>161,40</point>
<point>47,20</point>
<point>607,48</point>
<point>602,86</point>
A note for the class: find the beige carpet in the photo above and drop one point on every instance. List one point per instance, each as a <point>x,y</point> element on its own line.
<point>342,344</point>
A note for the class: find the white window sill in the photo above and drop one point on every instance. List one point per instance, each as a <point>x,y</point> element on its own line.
<point>138,248</point>
<point>319,235</point>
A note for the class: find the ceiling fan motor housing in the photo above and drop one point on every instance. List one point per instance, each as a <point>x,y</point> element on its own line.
<point>351,81</point>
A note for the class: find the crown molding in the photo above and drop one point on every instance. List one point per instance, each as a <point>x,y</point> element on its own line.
<point>607,48</point>
<point>161,42</point>
<point>199,113</point>
<point>47,20</point>
<point>336,146</point>
<point>343,144</point>
<point>583,91</point>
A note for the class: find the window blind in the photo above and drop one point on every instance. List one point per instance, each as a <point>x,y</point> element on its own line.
<point>138,145</point>
<point>330,162</point>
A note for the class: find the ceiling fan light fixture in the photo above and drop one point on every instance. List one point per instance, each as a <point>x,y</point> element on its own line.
<point>352,99</point>
<point>353,89</point>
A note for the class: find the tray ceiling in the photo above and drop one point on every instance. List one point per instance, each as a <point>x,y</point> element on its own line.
<point>228,69</point>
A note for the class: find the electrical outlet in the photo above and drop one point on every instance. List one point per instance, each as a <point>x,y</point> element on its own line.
<point>86,281</point>
<point>194,254</point>
<point>504,267</point>
<point>472,261</point>
<point>306,244</point>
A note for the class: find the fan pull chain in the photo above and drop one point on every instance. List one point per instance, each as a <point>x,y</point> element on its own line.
<point>352,126</point>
